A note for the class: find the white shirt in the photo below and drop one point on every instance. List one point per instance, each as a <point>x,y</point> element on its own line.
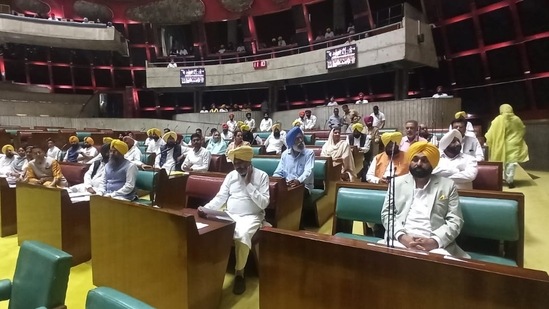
<point>245,203</point>
<point>221,51</point>
<point>202,111</point>
<point>332,103</point>
<point>197,161</point>
<point>468,128</point>
<point>226,137</point>
<point>281,43</point>
<point>97,179</point>
<point>273,144</point>
<point>302,121</point>
<point>154,146</point>
<point>91,152</point>
<point>172,65</point>
<point>53,152</point>
<point>418,221</point>
<point>471,146</point>
<point>356,142</point>
<point>442,95</point>
<point>377,120</point>
<point>5,164</point>
<point>169,165</point>
<point>363,101</point>
<point>183,52</point>
<point>223,110</point>
<point>127,188</point>
<point>310,123</point>
<point>462,169</point>
<point>134,156</point>
<point>250,123</point>
<point>232,125</point>
<point>266,125</point>
<point>371,174</point>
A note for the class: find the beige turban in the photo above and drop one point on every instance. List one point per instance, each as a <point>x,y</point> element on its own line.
<point>394,137</point>
<point>6,148</point>
<point>120,146</point>
<point>276,126</point>
<point>357,126</point>
<point>428,149</point>
<point>167,135</point>
<point>244,153</point>
<point>89,140</point>
<point>73,139</point>
<point>448,138</point>
<point>460,114</point>
<point>154,131</point>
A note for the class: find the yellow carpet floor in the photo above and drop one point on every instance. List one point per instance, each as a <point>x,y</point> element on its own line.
<point>533,184</point>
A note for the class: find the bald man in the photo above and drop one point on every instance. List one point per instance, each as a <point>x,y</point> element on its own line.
<point>246,193</point>
<point>427,211</point>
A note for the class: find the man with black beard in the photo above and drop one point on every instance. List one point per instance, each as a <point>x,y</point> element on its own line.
<point>74,150</point>
<point>88,152</point>
<point>170,154</point>
<point>461,168</point>
<point>381,168</point>
<point>120,174</point>
<point>276,141</point>
<point>427,212</point>
<point>360,143</point>
<point>245,191</point>
<point>154,142</point>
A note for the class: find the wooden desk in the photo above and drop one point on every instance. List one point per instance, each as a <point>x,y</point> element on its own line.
<point>158,255</point>
<point>8,212</point>
<point>310,270</point>
<point>47,215</point>
<point>170,190</point>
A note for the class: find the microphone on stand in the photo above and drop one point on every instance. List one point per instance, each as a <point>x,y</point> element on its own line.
<point>392,209</point>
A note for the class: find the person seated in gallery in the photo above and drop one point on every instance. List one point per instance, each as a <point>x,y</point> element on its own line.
<point>245,192</point>
<point>427,212</point>
<point>95,174</point>
<point>440,93</point>
<point>44,171</point>
<point>340,151</point>
<point>198,158</point>
<point>454,165</point>
<point>87,152</point>
<point>216,145</point>
<point>73,151</point>
<point>120,174</point>
<point>275,142</point>
<point>381,168</point>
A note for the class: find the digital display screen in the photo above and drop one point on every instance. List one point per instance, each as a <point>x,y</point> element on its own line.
<point>341,56</point>
<point>193,76</point>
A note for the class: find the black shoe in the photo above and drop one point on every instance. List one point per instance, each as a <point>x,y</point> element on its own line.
<point>239,285</point>
<point>511,185</point>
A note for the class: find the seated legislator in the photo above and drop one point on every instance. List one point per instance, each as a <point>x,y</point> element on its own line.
<point>412,136</point>
<point>88,152</point>
<point>153,141</point>
<point>380,169</point>
<point>120,174</point>
<point>296,165</point>
<point>340,152</point>
<point>53,151</point>
<point>237,142</point>
<point>427,211</point>
<point>44,171</point>
<point>249,136</point>
<point>19,164</point>
<point>360,146</point>
<point>245,191</point>
<point>276,141</point>
<point>197,159</point>
<point>469,142</point>
<point>134,153</point>
<point>216,145</point>
<point>170,154</point>
<point>454,165</point>
<point>6,160</point>
<point>462,115</point>
<point>74,150</point>
<point>94,176</point>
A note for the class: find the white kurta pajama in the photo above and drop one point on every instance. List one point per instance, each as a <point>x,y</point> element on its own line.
<point>94,182</point>
<point>5,164</point>
<point>198,161</point>
<point>462,169</point>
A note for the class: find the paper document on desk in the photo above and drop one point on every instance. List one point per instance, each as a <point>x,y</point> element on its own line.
<point>200,225</point>
<point>79,197</point>
<point>215,214</point>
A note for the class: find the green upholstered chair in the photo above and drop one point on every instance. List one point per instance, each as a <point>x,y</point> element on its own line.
<point>263,135</point>
<point>320,142</point>
<point>319,171</point>
<point>107,298</point>
<point>41,277</point>
<point>142,148</point>
<point>82,134</point>
<point>145,183</point>
<point>148,158</point>
<point>309,139</point>
<point>140,143</point>
<point>268,165</point>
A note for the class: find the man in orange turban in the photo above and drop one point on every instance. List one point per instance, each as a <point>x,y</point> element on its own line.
<point>427,215</point>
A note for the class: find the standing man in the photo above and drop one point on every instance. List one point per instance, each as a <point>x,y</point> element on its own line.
<point>505,138</point>
<point>266,123</point>
<point>120,174</point>
<point>250,122</point>
<point>427,212</point>
<point>296,166</point>
<point>379,118</point>
<point>459,167</point>
<point>310,120</point>
<point>231,123</point>
<point>411,135</point>
<point>335,121</point>
<point>245,191</point>
<point>469,143</point>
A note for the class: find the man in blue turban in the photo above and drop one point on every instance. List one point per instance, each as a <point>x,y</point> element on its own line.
<point>296,166</point>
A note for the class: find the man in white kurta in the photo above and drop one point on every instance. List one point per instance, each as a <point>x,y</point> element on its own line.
<point>266,123</point>
<point>469,142</point>
<point>134,153</point>
<point>6,160</point>
<point>453,164</point>
<point>197,159</point>
<point>94,176</point>
<point>226,135</point>
<point>53,151</point>
<point>231,123</point>
<point>246,193</point>
<point>88,152</point>
<point>250,122</point>
<point>154,142</point>
<point>309,120</point>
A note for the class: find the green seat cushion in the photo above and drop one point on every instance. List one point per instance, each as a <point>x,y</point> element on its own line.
<point>490,218</point>
<point>359,237</point>
<point>492,259</point>
<point>187,139</point>
<point>308,139</point>
<point>82,135</point>
<point>320,169</point>
<point>359,204</point>
<point>263,135</point>
<point>145,180</point>
<point>143,201</point>
<point>317,194</point>
<point>140,143</point>
<point>268,165</point>
<point>320,142</point>
<point>104,297</point>
<point>256,151</point>
<point>142,148</point>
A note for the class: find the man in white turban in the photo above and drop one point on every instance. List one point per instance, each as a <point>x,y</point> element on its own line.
<point>461,168</point>
<point>245,191</point>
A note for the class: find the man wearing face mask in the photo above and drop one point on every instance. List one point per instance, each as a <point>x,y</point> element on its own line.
<point>461,168</point>
<point>380,168</point>
<point>296,166</point>
<point>266,123</point>
<point>276,141</point>
<point>245,191</point>
<point>427,212</point>
<point>154,142</point>
<point>73,151</point>
<point>88,152</point>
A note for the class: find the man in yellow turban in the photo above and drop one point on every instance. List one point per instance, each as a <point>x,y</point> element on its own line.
<point>153,141</point>
<point>120,174</point>
<point>360,145</point>
<point>461,115</point>
<point>245,191</point>
<point>427,215</point>
<point>171,154</point>
<point>88,152</point>
<point>391,162</point>
<point>7,159</point>
<point>505,140</point>
<point>74,150</point>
